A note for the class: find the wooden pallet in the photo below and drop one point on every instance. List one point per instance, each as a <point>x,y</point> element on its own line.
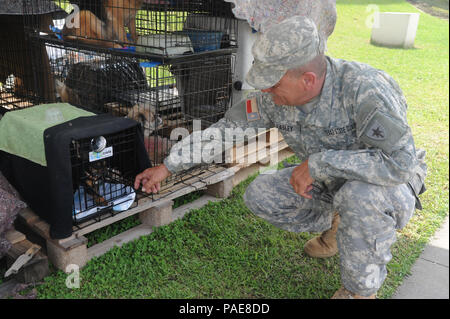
<point>270,145</point>
<point>218,182</point>
<point>35,269</point>
<point>155,212</point>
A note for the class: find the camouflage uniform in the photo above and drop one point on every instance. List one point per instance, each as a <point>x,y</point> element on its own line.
<point>360,153</point>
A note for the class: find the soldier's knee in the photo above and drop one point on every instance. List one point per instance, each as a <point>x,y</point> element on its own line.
<point>355,195</point>
<point>257,195</point>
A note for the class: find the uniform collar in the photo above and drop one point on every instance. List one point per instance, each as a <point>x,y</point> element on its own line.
<point>318,110</point>
<point>309,106</point>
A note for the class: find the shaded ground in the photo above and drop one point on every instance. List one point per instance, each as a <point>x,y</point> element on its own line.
<point>437,8</point>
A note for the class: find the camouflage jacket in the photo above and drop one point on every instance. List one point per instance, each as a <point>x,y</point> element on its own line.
<point>356,129</point>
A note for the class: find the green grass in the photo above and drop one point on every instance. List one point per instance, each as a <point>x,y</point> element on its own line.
<point>105,233</point>
<point>224,251</point>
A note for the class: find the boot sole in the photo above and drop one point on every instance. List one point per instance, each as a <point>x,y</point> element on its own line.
<point>319,256</point>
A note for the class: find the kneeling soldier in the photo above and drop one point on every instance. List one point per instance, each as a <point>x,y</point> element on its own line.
<point>360,175</point>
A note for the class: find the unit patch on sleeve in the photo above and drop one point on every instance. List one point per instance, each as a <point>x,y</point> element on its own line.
<point>383,131</point>
<point>252,110</point>
<point>376,131</point>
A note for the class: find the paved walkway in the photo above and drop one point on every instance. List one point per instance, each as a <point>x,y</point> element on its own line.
<point>429,277</point>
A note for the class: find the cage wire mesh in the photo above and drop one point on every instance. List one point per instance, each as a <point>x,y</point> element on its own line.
<point>161,27</point>
<point>17,82</point>
<point>176,70</point>
<point>161,95</point>
<point>16,76</point>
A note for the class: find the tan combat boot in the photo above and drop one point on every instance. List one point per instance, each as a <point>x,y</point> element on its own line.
<point>325,245</point>
<point>343,293</point>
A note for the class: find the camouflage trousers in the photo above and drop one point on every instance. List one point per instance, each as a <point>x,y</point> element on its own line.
<point>370,215</point>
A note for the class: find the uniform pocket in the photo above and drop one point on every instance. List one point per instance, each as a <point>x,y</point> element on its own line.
<point>385,240</point>
<point>382,245</point>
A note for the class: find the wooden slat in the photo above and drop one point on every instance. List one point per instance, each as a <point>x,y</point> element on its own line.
<point>193,185</point>
<point>13,236</point>
<point>272,136</point>
<point>35,269</point>
<point>144,230</point>
<point>42,228</point>
<point>19,248</point>
<point>281,146</point>
<point>244,160</point>
<point>28,216</point>
<point>39,226</point>
<point>118,240</point>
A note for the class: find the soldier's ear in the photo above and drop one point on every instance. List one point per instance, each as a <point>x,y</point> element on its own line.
<point>309,80</point>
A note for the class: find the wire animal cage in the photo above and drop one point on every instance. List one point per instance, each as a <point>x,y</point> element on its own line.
<point>91,163</point>
<point>153,27</point>
<point>161,95</point>
<point>17,85</point>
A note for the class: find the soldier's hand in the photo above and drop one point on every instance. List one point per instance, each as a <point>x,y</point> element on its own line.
<point>301,180</point>
<point>151,178</point>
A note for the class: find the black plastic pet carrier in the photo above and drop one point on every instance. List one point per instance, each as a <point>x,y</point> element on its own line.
<point>74,171</point>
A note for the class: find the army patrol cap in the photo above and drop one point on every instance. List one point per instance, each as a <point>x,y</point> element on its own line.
<point>291,43</point>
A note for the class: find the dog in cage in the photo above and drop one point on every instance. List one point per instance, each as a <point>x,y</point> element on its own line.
<point>103,22</point>
<point>93,179</point>
<point>118,86</point>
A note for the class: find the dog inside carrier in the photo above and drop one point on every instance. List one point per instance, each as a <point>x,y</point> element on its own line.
<point>70,165</point>
<point>155,27</point>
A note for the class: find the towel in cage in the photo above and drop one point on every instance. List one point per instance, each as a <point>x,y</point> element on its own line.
<point>124,195</point>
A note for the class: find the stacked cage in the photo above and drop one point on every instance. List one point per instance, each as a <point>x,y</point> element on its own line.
<point>161,96</point>
<point>17,82</point>
<point>161,27</point>
<point>162,63</point>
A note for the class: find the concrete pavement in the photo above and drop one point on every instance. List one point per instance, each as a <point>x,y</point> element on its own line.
<point>429,277</point>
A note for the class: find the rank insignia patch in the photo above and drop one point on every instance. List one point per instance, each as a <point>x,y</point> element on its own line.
<point>252,110</point>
